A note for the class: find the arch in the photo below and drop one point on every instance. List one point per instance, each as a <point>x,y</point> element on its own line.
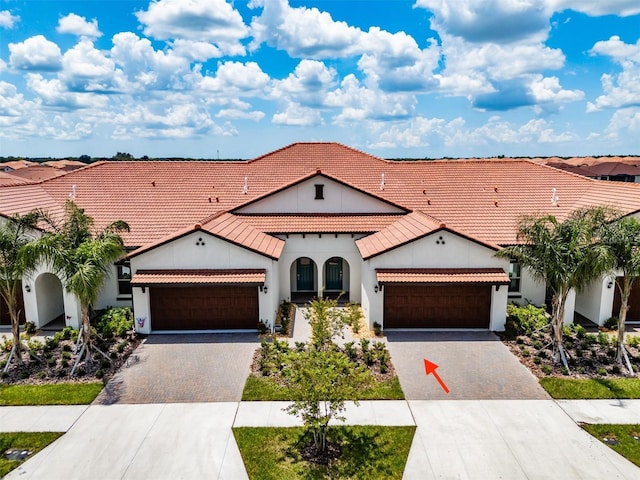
<point>335,278</point>
<point>303,275</point>
<point>49,298</point>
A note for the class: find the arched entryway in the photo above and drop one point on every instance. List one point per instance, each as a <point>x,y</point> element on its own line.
<point>304,273</point>
<point>336,278</point>
<point>49,299</point>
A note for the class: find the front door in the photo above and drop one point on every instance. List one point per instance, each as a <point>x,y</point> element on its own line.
<point>304,270</point>
<point>334,274</point>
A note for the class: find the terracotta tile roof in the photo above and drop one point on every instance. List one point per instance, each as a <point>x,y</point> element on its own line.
<point>311,223</point>
<point>11,179</point>
<point>199,277</point>
<point>37,173</point>
<point>442,275</point>
<point>483,198</point>
<point>229,227</point>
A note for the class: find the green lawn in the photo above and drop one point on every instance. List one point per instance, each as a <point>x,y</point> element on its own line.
<point>569,388</point>
<point>266,389</point>
<point>30,441</point>
<point>50,394</point>
<point>627,436</point>
<point>368,452</point>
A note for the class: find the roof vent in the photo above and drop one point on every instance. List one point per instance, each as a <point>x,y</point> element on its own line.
<point>554,197</point>
<point>72,195</point>
<point>382,182</point>
<point>245,188</point>
<point>153,183</point>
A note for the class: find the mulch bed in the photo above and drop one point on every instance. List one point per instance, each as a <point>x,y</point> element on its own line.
<point>588,355</point>
<point>51,361</point>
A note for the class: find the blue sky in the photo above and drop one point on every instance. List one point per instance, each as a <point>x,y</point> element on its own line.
<point>421,78</point>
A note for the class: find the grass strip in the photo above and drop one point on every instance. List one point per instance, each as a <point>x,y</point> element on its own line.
<point>267,390</point>
<point>32,442</point>
<point>624,439</point>
<point>595,388</point>
<point>367,452</point>
<point>50,394</point>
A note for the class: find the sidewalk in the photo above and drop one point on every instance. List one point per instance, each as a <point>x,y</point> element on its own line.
<point>472,439</point>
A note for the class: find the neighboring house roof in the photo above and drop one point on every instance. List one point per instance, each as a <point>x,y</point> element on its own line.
<point>199,277</point>
<point>10,179</point>
<point>38,173</point>
<point>442,275</point>
<point>16,164</point>
<point>160,199</point>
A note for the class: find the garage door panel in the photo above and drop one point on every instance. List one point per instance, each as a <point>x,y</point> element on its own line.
<point>437,306</point>
<point>204,308</point>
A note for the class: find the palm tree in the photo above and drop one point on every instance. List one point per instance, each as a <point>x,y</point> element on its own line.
<point>564,256</point>
<point>622,237</point>
<point>14,264</point>
<point>82,260</point>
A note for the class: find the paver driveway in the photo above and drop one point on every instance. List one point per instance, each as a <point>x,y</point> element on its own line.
<point>183,369</point>
<point>473,365</point>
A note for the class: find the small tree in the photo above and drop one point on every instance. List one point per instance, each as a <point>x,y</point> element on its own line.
<point>320,382</point>
<point>622,237</point>
<point>321,378</point>
<point>564,255</point>
<point>82,259</point>
<point>15,262</point>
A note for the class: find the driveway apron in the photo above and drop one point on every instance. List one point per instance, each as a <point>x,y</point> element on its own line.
<point>184,368</point>
<point>472,365</point>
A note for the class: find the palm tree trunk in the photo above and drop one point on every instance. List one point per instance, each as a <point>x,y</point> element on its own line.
<point>625,293</point>
<point>557,319</point>
<point>86,333</point>
<point>14,315</point>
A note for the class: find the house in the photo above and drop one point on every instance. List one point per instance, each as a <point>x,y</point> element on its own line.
<point>218,245</point>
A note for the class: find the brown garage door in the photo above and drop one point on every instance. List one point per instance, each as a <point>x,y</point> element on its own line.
<point>5,319</point>
<point>437,306</point>
<point>204,308</point>
<point>634,303</point>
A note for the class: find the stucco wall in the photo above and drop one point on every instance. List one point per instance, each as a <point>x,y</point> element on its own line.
<point>320,248</point>
<point>44,300</point>
<point>338,198</point>
<point>455,252</point>
<point>596,301</point>
<point>183,253</point>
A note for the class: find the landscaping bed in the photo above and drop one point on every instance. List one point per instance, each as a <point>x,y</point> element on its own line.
<point>49,359</point>
<point>589,355</point>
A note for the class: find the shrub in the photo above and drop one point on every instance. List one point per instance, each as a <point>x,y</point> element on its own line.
<point>52,362</point>
<point>116,321</point>
<point>633,341</point>
<point>41,375</point>
<point>602,372</point>
<point>524,320</point>
<point>354,315</point>
<point>537,360</point>
<point>121,346</point>
<point>546,369</point>
<point>616,369</point>
<point>377,329</point>
<point>564,370</point>
<point>611,323</point>
<point>603,339</point>
<point>66,355</point>
<point>66,347</point>
<point>350,350</point>
<point>30,328</point>
<point>581,332</point>
<point>99,374</point>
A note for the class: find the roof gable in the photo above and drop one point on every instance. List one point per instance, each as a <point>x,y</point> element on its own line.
<point>319,193</point>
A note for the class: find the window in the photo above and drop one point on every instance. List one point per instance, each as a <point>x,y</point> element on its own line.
<point>124,278</point>
<point>514,276</point>
<point>319,192</point>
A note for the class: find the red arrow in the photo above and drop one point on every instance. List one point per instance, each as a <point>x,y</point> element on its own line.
<point>430,367</point>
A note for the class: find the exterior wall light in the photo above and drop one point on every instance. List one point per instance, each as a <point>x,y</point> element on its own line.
<point>610,284</point>
<point>27,288</point>
<point>376,289</point>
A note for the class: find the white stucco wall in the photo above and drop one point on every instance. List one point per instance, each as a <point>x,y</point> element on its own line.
<point>47,299</point>
<point>183,253</point>
<point>596,301</point>
<point>109,296</point>
<point>320,248</point>
<point>338,198</point>
<point>531,291</point>
<point>455,252</point>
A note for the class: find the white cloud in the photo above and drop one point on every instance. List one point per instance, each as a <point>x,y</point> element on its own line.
<point>214,21</point>
<point>87,69</point>
<point>54,93</point>
<point>622,89</point>
<point>308,84</point>
<point>7,20</point>
<point>548,90</point>
<point>624,124</point>
<point>35,53</point>
<point>623,8</point>
<point>236,79</point>
<point>77,25</point>
<point>12,104</point>
<point>498,21</point>
<point>296,115</point>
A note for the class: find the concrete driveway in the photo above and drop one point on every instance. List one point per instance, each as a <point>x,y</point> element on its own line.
<point>183,369</point>
<point>473,365</point>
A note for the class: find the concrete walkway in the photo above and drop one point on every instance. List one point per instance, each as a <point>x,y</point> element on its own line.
<point>466,439</point>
